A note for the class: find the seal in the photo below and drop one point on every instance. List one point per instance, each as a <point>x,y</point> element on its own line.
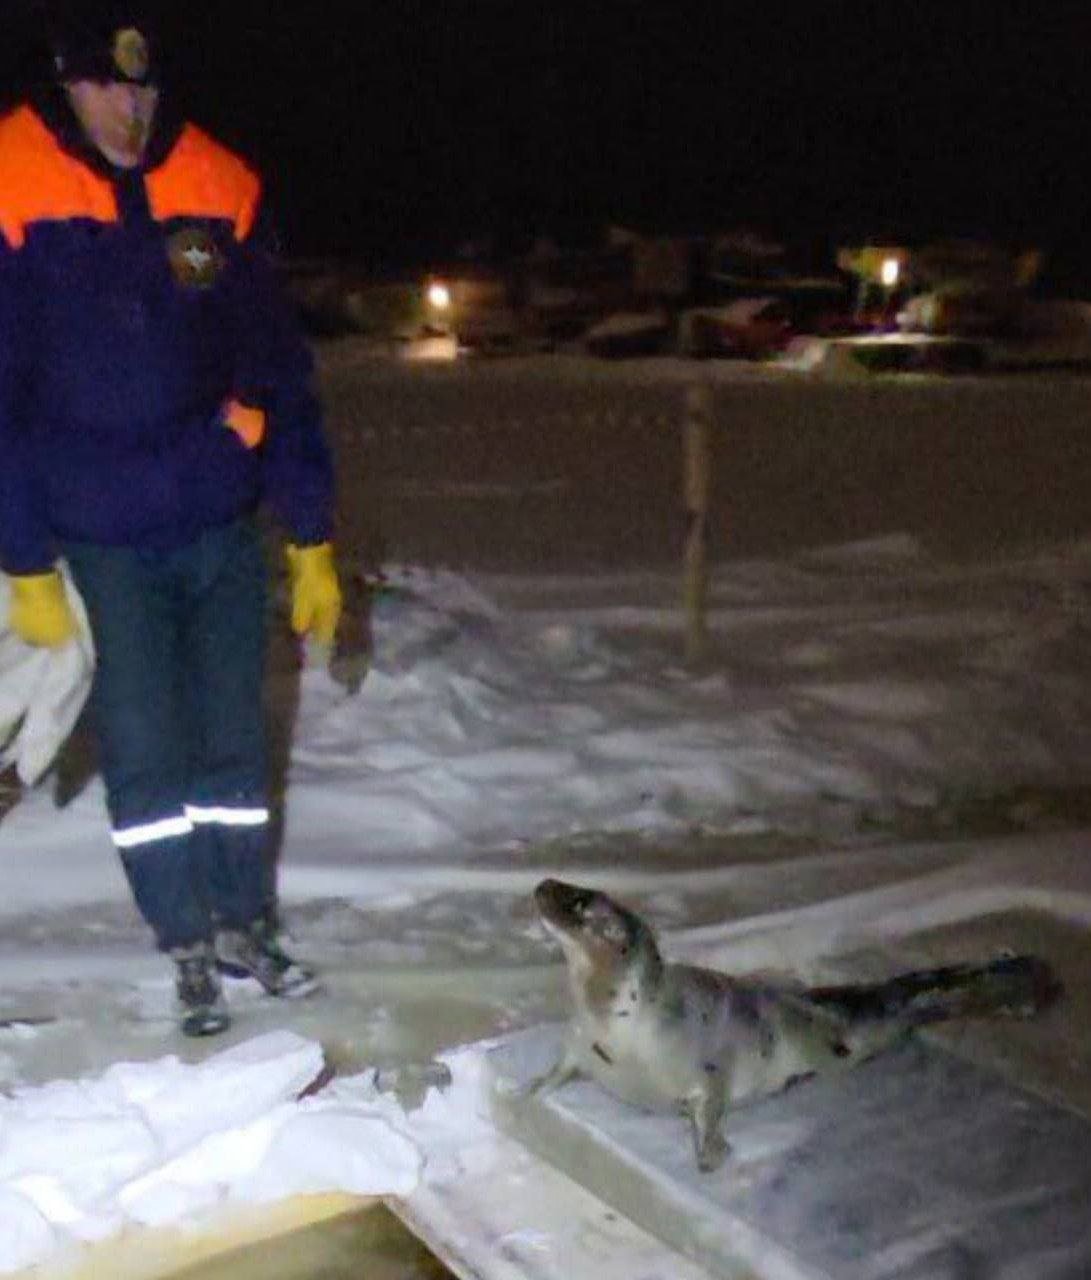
<point>674,1036</point>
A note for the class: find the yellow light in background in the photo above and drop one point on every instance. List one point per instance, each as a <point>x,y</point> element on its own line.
<point>439,296</point>
<point>890,271</point>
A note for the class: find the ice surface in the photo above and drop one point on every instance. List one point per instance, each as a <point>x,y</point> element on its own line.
<point>914,1165</point>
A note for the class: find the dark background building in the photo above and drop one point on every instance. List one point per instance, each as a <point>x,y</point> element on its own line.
<point>401,127</point>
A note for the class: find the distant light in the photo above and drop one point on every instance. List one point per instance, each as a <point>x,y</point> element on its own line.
<point>439,296</point>
<point>431,350</point>
<point>890,271</point>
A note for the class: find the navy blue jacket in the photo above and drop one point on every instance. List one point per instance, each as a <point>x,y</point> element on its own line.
<point>153,383</point>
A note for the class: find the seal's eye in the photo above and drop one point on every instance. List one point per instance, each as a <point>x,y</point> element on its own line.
<point>613,930</point>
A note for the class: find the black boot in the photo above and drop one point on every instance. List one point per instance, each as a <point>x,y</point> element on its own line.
<point>203,1012</point>
<point>256,953</point>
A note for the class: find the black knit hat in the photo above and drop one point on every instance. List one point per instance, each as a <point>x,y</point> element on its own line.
<point>104,40</point>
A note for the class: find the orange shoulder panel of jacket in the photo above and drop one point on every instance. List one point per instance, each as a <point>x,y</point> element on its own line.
<point>203,179</point>
<point>41,182</point>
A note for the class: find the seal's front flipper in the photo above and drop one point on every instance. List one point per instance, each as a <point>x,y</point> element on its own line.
<point>706,1110</point>
<point>564,1069</point>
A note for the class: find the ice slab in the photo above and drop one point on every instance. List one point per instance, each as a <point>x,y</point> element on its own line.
<point>916,1166</point>
<point>520,1218</point>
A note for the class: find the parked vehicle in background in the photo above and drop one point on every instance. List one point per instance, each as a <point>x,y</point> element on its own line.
<point>746,329</point>
<point>335,298</point>
<point>629,333</point>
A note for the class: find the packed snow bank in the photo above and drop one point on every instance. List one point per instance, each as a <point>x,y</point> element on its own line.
<point>165,1142</point>
<point>849,684</point>
<point>848,687</point>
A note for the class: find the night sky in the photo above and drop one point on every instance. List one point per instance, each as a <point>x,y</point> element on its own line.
<point>398,128</point>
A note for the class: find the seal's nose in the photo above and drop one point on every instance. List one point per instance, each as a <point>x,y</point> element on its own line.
<point>548,892</point>
<point>560,902</point>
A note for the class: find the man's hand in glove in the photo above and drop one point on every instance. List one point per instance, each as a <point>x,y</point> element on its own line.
<point>316,592</point>
<point>40,613</point>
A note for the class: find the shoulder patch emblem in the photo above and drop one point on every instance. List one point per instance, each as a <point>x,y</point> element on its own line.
<point>195,258</point>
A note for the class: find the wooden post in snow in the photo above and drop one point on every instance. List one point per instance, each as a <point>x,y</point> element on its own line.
<point>696,469</point>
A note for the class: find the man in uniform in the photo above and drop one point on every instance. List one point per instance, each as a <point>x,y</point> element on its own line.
<point>153,391</point>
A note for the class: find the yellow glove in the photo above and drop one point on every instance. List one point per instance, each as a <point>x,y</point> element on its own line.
<point>316,593</point>
<point>40,612</point>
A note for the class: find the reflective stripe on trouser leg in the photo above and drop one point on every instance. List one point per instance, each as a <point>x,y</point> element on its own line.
<point>230,842</point>
<point>226,787</point>
<point>159,860</point>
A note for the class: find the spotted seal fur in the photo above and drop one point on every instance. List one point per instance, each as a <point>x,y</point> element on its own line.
<point>675,1036</point>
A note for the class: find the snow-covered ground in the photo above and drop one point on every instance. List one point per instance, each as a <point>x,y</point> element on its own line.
<point>862,702</point>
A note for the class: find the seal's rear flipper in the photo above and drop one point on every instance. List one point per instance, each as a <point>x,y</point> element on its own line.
<point>1012,986</point>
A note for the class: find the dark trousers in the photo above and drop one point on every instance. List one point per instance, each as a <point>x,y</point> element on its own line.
<point>177,709</point>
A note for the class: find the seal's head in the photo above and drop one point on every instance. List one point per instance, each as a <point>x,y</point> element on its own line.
<point>597,933</point>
